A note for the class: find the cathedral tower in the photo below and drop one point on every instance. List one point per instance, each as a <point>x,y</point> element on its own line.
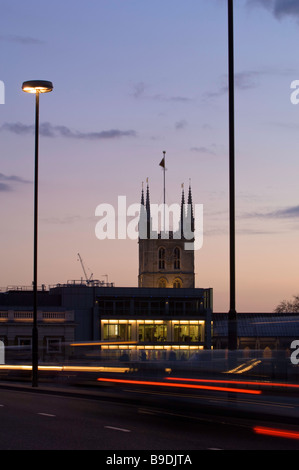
<point>163,259</point>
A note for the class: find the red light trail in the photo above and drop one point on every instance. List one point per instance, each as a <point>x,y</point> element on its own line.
<point>180,385</point>
<point>238,382</point>
<point>276,432</point>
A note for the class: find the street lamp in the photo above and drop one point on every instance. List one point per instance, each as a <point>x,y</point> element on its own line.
<point>37,87</point>
<point>232,315</point>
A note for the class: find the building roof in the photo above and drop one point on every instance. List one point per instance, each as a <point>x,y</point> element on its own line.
<point>148,292</point>
<point>259,324</point>
<point>24,298</point>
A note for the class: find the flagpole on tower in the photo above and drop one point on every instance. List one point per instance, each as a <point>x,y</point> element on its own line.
<point>163,165</point>
<point>164,176</point>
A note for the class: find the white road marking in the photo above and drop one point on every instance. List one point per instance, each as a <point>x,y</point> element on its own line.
<point>46,414</point>
<point>117,429</point>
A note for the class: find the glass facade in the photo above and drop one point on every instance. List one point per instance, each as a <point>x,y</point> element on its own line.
<point>187,333</point>
<point>152,332</point>
<point>117,331</point>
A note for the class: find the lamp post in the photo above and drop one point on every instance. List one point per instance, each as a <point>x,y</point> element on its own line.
<point>232,315</point>
<point>36,87</point>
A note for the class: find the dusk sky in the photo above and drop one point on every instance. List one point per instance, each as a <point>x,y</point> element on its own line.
<point>134,78</point>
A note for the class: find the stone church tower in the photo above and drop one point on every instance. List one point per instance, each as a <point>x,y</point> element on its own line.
<point>163,259</point>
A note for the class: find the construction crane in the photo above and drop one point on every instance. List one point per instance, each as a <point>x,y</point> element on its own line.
<point>88,280</point>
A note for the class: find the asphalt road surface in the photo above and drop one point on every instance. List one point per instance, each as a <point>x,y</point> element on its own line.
<point>41,421</point>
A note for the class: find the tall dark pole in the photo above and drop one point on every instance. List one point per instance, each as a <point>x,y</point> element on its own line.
<point>164,196</point>
<point>232,315</point>
<point>37,87</point>
<point>34,329</point>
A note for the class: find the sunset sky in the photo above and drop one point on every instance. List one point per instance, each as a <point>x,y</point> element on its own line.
<point>134,78</point>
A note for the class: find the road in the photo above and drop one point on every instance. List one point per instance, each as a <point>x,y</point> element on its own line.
<point>34,420</point>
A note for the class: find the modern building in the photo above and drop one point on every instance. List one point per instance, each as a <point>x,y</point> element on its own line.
<point>133,320</point>
<point>160,322</point>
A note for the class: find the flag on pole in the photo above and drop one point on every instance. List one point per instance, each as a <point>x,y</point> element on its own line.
<point>162,162</point>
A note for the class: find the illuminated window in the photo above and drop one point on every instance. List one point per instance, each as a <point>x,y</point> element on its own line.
<point>187,333</point>
<point>161,258</point>
<point>117,331</point>
<point>177,258</point>
<point>152,333</point>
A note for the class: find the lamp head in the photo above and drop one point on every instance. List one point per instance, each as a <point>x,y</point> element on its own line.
<point>37,86</point>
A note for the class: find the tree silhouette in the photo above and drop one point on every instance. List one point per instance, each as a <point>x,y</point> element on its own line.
<point>288,306</point>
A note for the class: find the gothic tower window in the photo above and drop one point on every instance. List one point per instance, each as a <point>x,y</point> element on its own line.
<point>177,284</point>
<point>177,258</point>
<point>161,258</point>
<point>162,283</point>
